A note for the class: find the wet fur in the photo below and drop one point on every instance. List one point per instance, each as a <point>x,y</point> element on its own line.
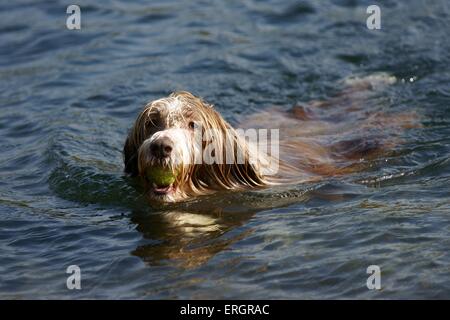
<point>319,139</point>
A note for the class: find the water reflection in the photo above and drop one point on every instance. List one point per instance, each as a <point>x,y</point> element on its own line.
<point>189,234</point>
<point>187,239</point>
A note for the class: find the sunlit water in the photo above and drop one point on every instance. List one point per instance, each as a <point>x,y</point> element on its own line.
<point>68,98</point>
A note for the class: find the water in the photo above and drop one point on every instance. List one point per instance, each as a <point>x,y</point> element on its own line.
<point>67,99</point>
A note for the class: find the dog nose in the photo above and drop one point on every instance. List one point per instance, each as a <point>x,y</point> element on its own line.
<point>161,147</point>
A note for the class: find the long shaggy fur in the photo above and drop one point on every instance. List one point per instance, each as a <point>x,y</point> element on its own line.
<point>178,111</point>
<point>317,140</point>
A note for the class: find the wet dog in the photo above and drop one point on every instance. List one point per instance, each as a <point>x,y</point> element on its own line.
<point>185,136</point>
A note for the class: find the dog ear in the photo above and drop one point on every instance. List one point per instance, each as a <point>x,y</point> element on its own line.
<point>130,157</point>
<point>245,172</point>
<point>240,171</point>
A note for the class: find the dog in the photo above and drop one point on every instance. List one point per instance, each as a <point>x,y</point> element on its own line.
<point>314,140</point>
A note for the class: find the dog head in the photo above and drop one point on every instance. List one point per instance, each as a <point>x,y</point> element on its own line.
<point>190,142</point>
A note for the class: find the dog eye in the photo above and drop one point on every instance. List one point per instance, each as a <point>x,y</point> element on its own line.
<point>193,125</point>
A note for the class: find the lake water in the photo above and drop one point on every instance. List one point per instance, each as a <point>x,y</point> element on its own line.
<point>69,97</point>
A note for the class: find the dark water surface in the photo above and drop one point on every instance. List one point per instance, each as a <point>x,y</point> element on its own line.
<point>67,99</point>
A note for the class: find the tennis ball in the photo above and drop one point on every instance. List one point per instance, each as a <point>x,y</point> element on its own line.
<point>161,176</point>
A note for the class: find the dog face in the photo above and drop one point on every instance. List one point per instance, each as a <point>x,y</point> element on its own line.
<point>184,135</point>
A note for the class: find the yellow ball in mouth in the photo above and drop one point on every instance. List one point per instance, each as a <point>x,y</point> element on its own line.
<point>160,176</point>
